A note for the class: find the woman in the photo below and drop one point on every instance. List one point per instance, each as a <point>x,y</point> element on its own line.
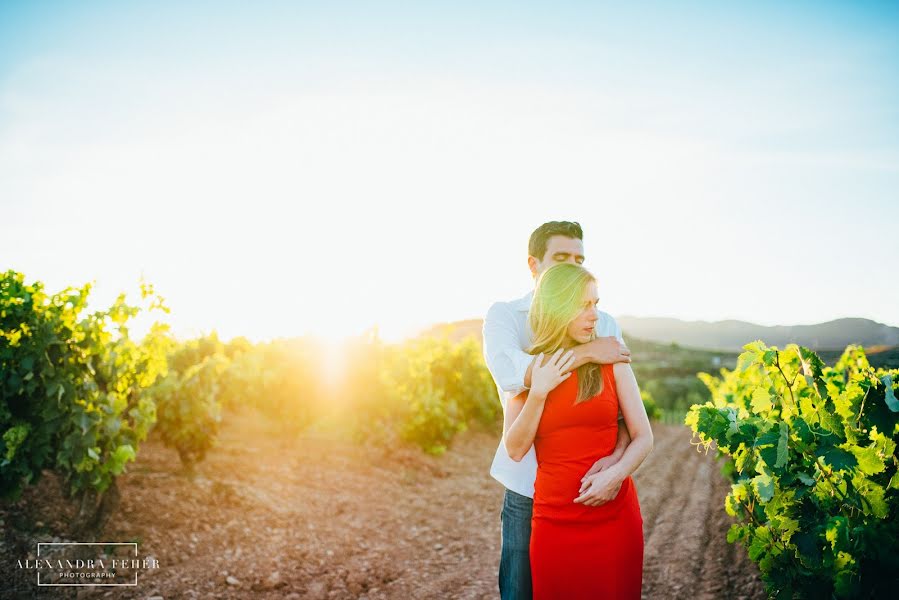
<point>586,532</point>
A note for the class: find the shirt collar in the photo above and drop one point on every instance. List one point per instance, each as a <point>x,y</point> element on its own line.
<point>524,303</point>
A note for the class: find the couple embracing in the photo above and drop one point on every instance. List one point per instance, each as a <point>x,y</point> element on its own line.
<point>574,430</point>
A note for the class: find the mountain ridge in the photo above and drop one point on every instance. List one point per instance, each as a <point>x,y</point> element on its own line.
<point>729,335</point>
<point>732,334</point>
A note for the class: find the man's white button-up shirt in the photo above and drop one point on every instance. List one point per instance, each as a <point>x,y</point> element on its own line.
<point>506,337</point>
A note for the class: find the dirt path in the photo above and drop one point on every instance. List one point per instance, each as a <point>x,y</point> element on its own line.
<point>682,498</point>
<point>322,518</point>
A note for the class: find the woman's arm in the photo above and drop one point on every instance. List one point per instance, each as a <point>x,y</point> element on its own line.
<point>522,416</point>
<point>523,412</point>
<point>603,486</point>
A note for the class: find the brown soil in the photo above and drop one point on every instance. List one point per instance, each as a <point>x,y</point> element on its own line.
<point>318,517</point>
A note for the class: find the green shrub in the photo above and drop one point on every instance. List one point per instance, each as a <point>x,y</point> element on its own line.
<point>189,411</point>
<point>73,392</point>
<point>814,468</point>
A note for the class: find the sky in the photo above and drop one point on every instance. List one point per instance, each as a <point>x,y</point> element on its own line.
<point>289,168</point>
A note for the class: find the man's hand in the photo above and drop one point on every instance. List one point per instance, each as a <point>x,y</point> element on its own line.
<point>608,350</point>
<point>603,463</point>
<point>599,489</point>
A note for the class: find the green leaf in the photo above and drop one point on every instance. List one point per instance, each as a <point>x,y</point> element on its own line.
<point>837,528</point>
<point>713,422</point>
<point>892,403</point>
<point>766,562</point>
<point>753,353</point>
<point>811,361</point>
<point>764,486</point>
<point>756,348</point>
<point>868,460</point>
<point>736,532</point>
<point>13,439</point>
<point>874,494</point>
<point>761,400</point>
<point>759,544</point>
<point>766,446</point>
<point>769,438</point>
<point>809,546</point>
<point>118,459</point>
<point>843,403</point>
<point>782,445</point>
<point>757,548</point>
<point>838,458</point>
<point>732,427</point>
<point>747,432</point>
<point>805,478</point>
<point>787,525</point>
<point>878,412</point>
<point>802,431</point>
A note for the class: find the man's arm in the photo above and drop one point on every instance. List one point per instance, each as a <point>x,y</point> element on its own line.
<point>621,443</point>
<point>509,364</point>
<point>624,438</point>
<point>602,350</point>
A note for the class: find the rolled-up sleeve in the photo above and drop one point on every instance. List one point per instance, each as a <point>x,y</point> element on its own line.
<point>505,359</point>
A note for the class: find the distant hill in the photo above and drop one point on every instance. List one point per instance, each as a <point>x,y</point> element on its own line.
<point>728,336</point>
<point>732,335</point>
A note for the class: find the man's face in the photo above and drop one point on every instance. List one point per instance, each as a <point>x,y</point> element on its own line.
<point>559,249</point>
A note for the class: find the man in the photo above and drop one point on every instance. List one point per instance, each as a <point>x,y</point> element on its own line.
<point>506,336</point>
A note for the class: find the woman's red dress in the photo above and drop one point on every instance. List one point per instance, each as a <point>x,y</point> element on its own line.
<point>580,551</point>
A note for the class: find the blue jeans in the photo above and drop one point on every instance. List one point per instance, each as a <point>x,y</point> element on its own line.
<point>515,559</point>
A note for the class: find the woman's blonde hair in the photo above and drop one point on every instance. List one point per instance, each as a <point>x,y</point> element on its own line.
<point>558,299</point>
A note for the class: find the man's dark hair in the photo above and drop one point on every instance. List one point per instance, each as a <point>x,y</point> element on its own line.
<point>540,238</point>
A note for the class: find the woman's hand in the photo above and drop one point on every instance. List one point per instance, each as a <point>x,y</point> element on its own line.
<point>522,413</point>
<point>599,488</point>
<point>553,371</point>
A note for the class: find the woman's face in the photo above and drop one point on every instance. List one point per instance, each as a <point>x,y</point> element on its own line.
<point>581,329</point>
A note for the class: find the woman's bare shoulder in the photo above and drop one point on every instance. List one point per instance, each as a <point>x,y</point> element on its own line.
<point>622,369</point>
